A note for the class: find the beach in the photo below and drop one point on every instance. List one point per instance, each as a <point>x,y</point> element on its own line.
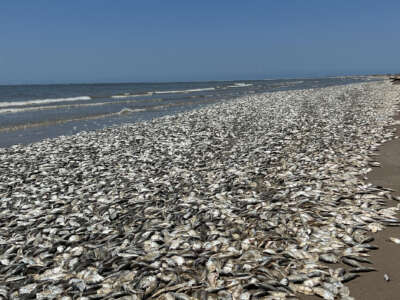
<point>270,195</point>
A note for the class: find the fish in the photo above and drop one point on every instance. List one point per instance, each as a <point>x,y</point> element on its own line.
<point>395,240</point>
<point>362,270</point>
<point>328,258</point>
<point>351,262</point>
<point>349,276</point>
<point>256,196</point>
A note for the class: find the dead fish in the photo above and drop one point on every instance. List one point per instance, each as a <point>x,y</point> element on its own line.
<point>351,262</point>
<point>395,197</point>
<point>325,294</point>
<point>362,270</point>
<point>348,240</point>
<point>148,284</point>
<point>328,258</point>
<point>312,282</point>
<point>375,227</point>
<point>369,246</point>
<point>361,238</point>
<point>358,258</point>
<point>297,278</point>
<point>395,240</point>
<point>28,289</point>
<point>237,200</point>
<point>349,276</point>
<point>298,288</point>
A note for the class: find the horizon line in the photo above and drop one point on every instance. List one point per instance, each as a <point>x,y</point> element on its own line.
<point>187,81</point>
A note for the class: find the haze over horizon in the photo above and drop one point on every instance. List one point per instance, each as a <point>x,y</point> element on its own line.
<point>132,41</point>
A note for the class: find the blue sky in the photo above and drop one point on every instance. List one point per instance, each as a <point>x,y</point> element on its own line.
<point>112,41</point>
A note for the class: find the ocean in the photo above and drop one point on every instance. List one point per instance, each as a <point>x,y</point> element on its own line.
<point>31,113</point>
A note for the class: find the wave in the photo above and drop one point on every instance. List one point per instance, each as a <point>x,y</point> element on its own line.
<point>200,90</point>
<point>48,107</point>
<point>62,121</point>
<point>294,82</point>
<point>185,91</point>
<point>127,95</point>
<point>43,101</point>
<point>12,104</point>
<point>126,111</point>
<point>239,85</point>
<point>122,112</point>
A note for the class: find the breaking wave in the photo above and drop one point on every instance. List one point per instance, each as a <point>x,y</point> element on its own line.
<point>185,91</point>
<point>49,107</point>
<point>126,111</point>
<point>127,95</point>
<point>240,84</point>
<point>43,101</point>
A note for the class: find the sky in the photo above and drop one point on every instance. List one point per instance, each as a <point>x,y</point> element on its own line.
<point>140,41</point>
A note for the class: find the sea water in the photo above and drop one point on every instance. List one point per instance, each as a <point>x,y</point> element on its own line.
<point>30,113</point>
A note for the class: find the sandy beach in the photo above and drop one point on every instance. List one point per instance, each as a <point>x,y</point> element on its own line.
<point>260,197</point>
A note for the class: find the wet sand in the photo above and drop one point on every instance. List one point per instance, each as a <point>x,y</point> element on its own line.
<point>373,286</point>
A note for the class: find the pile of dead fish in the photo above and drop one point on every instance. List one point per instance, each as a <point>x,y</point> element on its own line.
<point>255,198</point>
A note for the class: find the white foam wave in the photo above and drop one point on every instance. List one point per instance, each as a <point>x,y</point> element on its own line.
<point>294,82</point>
<point>43,101</point>
<point>122,96</point>
<point>11,110</point>
<point>240,84</point>
<point>168,92</point>
<point>126,111</point>
<point>127,95</point>
<point>47,107</point>
<point>200,90</point>
<point>185,91</point>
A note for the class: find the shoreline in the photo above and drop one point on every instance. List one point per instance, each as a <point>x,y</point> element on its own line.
<point>247,198</point>
<point>28,120</point>
<point>386,259</point>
